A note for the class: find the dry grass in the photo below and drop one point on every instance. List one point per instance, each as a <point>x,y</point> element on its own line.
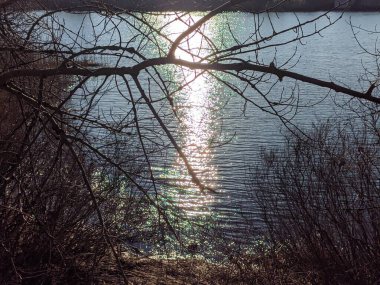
<point>245,269</point>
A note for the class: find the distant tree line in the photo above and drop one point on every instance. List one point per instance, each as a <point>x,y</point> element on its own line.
<point>278,5</point>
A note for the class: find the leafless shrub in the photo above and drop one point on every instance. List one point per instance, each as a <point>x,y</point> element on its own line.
<point>51,230</point>
<point>320,199</point>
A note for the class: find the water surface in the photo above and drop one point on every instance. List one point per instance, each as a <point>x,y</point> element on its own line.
<point>220,134</point>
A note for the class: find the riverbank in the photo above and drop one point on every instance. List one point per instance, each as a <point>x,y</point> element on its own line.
<point>204,5</point>
<point>240,269</point>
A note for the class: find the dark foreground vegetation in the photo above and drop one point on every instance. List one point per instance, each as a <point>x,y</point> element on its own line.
<point>77,189</point>
<point>321,201</point>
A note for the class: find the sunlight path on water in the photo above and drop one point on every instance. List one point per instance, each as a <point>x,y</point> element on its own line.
<point>195,107</point>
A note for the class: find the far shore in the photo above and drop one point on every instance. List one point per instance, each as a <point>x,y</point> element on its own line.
<point>203,6</point>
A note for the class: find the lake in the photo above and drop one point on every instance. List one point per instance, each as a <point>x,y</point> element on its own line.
<point>222,135</point>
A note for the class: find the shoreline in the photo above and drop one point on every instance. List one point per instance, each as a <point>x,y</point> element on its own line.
<point>87,10</point>
<point>205,6</point>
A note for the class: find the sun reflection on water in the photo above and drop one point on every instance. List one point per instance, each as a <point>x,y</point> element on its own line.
<point>197,132</point>
<point>194,105</point>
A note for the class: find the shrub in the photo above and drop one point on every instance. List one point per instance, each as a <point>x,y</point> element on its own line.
<point>320,200</point>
